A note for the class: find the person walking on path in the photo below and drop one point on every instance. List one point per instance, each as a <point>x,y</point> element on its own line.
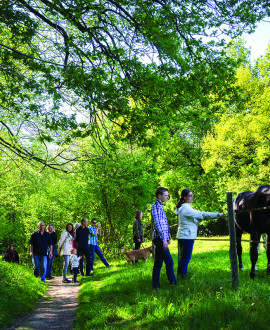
<point>138,230</point>
<point>40,241</point>
<point>52,233</point>
<point>161,239</point>
<point>11,255</point>
<point>74,244</point>
<point>94,248</point>
<point>64,246</point>
<point>82,237</point>
<point>75,261</point>
<point>188,222</point>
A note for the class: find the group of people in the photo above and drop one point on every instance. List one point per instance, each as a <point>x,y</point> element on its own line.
<point>75,243</point>
<point>188,222</point>
<point>81,240</point>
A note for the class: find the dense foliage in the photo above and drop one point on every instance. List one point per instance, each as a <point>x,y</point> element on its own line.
<point>111,178</point>
<point>237,147</point>
<point>123,97</point>
<point>70,67</point>
<point>19,291</point>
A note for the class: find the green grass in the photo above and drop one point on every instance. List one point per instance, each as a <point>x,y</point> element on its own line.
<point>19,291</point>
<point>122,297</point>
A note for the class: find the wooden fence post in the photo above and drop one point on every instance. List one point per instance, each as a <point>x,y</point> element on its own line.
<point>233,253</point>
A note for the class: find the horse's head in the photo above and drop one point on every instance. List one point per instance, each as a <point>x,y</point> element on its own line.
<point>263,196</point>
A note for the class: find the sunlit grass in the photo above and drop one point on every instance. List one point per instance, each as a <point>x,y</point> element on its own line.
<point>19,291</point>
<point>122,296</point>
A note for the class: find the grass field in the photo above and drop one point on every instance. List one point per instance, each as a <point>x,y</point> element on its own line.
<point>122,296</point>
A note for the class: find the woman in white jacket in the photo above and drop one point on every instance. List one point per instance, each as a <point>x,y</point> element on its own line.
<point>64,246</point>
<point>188,222</point>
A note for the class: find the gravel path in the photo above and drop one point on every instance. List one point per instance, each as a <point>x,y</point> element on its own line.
<point>57,310</point>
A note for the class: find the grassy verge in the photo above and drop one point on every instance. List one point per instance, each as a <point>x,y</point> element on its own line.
<point>19,290</point>
<point>122,297</point>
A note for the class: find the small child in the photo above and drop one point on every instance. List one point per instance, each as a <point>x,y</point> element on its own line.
<point>74,260</point>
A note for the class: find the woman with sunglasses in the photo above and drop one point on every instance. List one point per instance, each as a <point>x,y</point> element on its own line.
<point>188,222</point>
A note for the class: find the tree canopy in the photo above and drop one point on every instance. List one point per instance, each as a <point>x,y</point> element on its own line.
<point>126,96</point>
<point>68,67</point>
<point>237,147</point>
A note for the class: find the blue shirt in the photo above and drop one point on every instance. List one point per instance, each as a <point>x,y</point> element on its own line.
<point>160,222</point>
<point>92,238</point>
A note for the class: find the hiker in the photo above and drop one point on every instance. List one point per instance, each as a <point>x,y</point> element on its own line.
<point>138,230</point>
<point>40,241</point>
<point>188,222</point>
<point>82,237</point>
<point>11,255</point>
<point>161,239</point>
<point>74,244</point>
<point>64,246</point>
<point>94,248</point>
<point>52,233</point>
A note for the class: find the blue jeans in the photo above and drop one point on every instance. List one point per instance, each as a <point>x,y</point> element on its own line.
<point>40,266</point>
<point>75,273</point>
<point>95,249</point>
<point>65,265</point>
<point>185,247</point>
<point>49,266</point>
<point>160,256</point>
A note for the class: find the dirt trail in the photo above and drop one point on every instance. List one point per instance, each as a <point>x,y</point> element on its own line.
<point>56,310</point>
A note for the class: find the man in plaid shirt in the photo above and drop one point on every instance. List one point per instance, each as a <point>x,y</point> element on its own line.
<point>161,239</point>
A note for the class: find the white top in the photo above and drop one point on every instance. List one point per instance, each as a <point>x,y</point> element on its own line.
<point>74,260</point>
<point>65,243</point>
<point>188,221</point>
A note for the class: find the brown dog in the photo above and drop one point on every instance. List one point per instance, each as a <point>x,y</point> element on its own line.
<point>134,255</point>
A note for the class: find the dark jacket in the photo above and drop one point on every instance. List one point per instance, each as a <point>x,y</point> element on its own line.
<point>137,228</point>
<point>11,256</point>
<point>82,236</point>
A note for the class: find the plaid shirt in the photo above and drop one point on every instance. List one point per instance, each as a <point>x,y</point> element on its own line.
<point>160,223</point>
<point>92,238</point>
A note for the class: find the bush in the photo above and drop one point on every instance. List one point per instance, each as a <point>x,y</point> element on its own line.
<point>19,291</point>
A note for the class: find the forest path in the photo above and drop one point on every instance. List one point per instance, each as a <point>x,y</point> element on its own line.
<point>56,310</point>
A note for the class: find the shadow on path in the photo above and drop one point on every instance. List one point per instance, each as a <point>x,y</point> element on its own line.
<point>57,309</point>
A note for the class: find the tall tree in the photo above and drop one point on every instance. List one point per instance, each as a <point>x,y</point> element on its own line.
<point>65,63</point>
<point>237,148</point>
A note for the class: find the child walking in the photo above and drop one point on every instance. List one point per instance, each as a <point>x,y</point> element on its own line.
<point>75,261</point>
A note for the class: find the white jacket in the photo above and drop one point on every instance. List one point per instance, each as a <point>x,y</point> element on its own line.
<point>188,221</point>
<point>74,260</point>
<point>65,243</point>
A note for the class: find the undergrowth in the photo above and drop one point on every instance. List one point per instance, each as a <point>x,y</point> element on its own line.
<point>19,291</point>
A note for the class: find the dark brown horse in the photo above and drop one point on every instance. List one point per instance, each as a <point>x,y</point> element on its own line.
<point>252,215</point>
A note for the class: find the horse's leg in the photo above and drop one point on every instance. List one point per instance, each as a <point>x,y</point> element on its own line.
<point>255,238</point>
<point>268,253</point>
<point>238,233</point>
